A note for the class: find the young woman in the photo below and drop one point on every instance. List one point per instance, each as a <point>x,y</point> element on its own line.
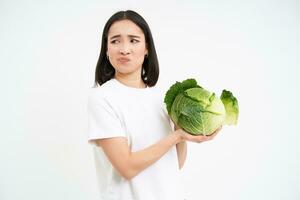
<point>137,154</point>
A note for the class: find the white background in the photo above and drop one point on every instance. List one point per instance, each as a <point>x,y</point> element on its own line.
<point>48,54</point>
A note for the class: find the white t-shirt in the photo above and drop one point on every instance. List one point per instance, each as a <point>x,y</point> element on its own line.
<point>115,110</point>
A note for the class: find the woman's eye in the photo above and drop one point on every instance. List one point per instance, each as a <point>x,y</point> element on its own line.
<point>114,41</point>
<point>134,41</point>
<point>117,41</point>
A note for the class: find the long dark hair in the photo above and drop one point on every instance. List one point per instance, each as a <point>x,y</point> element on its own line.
<point>150,69</point>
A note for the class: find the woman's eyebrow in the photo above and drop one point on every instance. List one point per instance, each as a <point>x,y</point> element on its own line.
<point>117,36</point>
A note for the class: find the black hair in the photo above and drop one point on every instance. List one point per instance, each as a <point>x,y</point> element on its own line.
<point>150,68</point>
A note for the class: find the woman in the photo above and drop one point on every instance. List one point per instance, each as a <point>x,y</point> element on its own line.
<point>137,154</point>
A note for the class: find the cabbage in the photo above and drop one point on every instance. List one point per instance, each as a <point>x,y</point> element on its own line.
<point>198,111</point>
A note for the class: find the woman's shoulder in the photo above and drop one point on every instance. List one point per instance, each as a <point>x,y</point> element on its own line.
<point>100,92</point>
<point>104,88</point>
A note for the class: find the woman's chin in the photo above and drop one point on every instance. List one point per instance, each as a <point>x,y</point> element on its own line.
<point>125,70</point>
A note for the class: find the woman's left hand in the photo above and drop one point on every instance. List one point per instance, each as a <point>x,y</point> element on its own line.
<point>196,138</point>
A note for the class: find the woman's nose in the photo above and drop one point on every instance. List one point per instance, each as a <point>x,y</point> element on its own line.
<point>125,49</point>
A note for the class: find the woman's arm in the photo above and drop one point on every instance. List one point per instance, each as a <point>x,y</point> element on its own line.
<point>129,164</point>
<point>181,148</point>
<point>181,153</point>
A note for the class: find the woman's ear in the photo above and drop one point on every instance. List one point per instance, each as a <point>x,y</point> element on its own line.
<point>146,53</point>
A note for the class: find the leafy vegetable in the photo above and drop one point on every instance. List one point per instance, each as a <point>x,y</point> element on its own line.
<point>198,111</point>
<point>231,107</point>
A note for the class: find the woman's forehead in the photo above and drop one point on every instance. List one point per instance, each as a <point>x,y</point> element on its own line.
<point>125,28</point>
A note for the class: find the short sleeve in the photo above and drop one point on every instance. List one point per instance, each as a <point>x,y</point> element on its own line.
<point>103,121</point>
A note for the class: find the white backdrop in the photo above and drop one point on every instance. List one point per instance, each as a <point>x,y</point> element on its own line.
<point>48,53</point>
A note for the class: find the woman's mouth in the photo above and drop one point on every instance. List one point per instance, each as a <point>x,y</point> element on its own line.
<point>123,60</point>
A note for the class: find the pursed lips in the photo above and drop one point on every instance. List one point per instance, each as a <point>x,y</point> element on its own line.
<point>123,59</point>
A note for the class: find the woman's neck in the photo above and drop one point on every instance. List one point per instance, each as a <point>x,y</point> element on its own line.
<point>130,81</point>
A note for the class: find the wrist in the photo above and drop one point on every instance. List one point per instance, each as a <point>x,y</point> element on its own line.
<point>178,136</point>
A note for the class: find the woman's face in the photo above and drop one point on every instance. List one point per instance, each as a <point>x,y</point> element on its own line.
<point>126,47</point>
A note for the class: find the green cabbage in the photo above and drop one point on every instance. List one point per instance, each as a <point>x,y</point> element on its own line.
<point>198,111</point>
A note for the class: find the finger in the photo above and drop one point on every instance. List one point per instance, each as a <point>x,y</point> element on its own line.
<point>208,138</point>
<point>204,138</point>
<point>198,139</point>
<point>212,136</point>
<point>216,132</point>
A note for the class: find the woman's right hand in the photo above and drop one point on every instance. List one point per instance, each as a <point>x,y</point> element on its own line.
<point>196,138</point>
